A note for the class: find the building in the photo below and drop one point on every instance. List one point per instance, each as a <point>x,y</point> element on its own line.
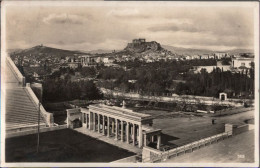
<point>204,56</point>
<point>73,65</point>
<point>242,62</point>
<point>219,55</point>
<point>248,55</point>
<point>108,60</point>
<point>195,57</point>
<point>119,123</point>
<point>138,41</point>
<point>87,60</point>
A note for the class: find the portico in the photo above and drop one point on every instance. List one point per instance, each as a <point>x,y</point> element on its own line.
<point>120,123</point>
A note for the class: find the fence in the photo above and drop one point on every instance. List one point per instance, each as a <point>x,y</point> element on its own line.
<point>153,155</point>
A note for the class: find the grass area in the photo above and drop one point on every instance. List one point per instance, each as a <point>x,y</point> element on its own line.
<point>62,146</point>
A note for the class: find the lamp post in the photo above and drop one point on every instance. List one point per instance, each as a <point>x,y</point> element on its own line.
<point>39,117</point>
<point>38,131</point>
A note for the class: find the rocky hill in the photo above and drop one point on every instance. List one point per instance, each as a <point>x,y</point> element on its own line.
<point>142,46</point>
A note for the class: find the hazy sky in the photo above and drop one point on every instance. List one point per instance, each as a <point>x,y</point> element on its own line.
<point>111,27</point>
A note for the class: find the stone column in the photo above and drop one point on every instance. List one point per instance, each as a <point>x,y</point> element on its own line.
<point>127,132</point>
<point>145,140</point>
<point>153,138</point>
<point>90,121</point>
<point>134,134</point>
<point>98,123</point>
<point>113,126</point>
<point>122,130</point>
<point>108,125</point>
<point>140,137</point>
<point>94,122</point>
<point>86,117</point>
<point>83,116</point>
<point>158,141</point>
<point>103,125</point>
<point>116,133</point>
<point>131,131</point>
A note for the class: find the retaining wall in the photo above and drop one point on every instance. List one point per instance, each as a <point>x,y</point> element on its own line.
<point>240,129</point>
<point>154,155</point>
<point>34,131</point>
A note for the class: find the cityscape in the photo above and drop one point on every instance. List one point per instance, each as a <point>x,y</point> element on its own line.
<point>86,85</point>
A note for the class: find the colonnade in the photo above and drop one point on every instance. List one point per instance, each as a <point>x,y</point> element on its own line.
<point>120,129</point>
<point>151,138</point>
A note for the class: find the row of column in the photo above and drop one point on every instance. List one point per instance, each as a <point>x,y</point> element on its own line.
<point>123,130</point>
<point>152,139</point>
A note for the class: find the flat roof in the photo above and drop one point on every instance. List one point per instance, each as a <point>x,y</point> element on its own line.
<point>121,111</point>
<point>149,129</point>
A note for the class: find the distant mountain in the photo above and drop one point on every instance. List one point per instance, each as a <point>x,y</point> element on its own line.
<point>187,51</point>
<point>44,50</point>
<point>100,51</point>
<point>190,51</point>
<point>144,48</point>
<point>237,51</point>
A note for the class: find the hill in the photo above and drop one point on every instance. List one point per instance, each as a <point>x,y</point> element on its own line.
<point>41,50</point>
<point>237,51</point>
<point>139,47</point>
<point>100,51</point>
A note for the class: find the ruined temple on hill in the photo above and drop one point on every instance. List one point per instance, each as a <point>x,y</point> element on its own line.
<point>141,45</point>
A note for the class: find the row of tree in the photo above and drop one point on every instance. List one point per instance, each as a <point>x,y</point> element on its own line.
<point>65,90</point>
<point>176,77</point>
<point>211,84</point>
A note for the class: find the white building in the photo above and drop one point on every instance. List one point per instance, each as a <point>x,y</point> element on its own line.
<point>108,60</point>
<point>204,56</point>
<point>220,55</point>
<point>242,62</point>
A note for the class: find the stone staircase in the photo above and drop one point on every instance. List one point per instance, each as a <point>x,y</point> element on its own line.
<point>21,111</point>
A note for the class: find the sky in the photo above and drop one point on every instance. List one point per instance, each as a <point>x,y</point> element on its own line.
<point>111,27</point>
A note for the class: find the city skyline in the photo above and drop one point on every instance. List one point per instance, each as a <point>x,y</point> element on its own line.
<point>105,27</point>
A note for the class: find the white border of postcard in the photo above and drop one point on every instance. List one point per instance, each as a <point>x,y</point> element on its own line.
<point>255,7</point>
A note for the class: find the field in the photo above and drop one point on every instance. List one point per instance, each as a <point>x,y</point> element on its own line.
<point>62,146</point>
<point>180,128</point>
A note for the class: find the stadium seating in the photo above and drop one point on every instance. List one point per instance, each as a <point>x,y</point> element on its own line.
<point>21,111</point>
